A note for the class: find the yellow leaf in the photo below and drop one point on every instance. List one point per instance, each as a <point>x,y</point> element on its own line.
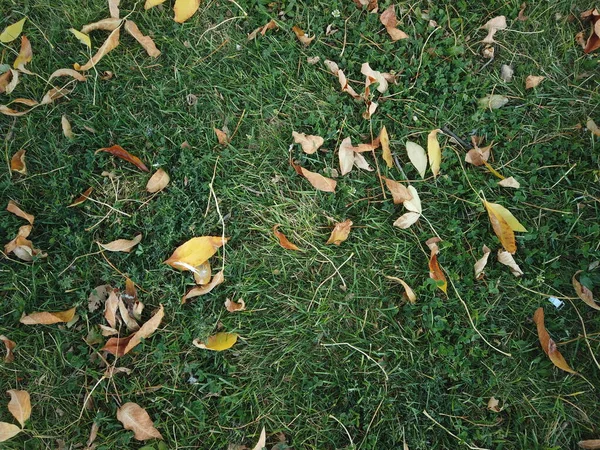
<point>506,215</point>
<point>152,3</point>
<point>408,292</point>
<point>158,181</point>
<point>385,147</point>
<point>218,342</point>
<point>434,152</point>
<point>417,157</point>
<point>548,345</point>
<point>184,9</point>
<point>13,31</point>
<point>340,232</point>
<point>302,37</point>
<point>8,431</point>
<point>135,418</point>
<point>492,170</point>
<point>48,318</point>
<point>533,81</point>
<point>83,38</point>
<point>110,44</point>
<point>203,290</point>
<point>195,251</point>
<point>25,54</point>
<point>122,245</point>
<point>203,273</point>
<point>19,405</point>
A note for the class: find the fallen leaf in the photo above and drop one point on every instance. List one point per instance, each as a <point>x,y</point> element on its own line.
<point>435,271</point>
<point>406,220</point>
<point>158,181</point>
<point>414,202</point>
<point>184,9</point>
<point>122,346</point>
<point>82,37</point>
<point>507,259</point>
<point>10,346</point>
<point>222,137</point>
<point>580,39</point>
<point>13,208</point>
<point>54,94</point>
<point>533,81</point>
<point>5,81</point>
<point>434,152</point>
<point>361,162</point>
<point>591,125</point>
<point>82,198</point>
<point>122,245</point>
<point>48,318</point>
<point>370,4</point>
<point>309,143</point>
<point>590,444</point>
<point>504,225</point>
<point>67,73</point>
<point>494,101</point>
<point>203,290</point>
<point>509,182</point>
<point>389,21</point>
<point>218,342</point>
<point>400,193</point>
<point>111,306</point>
<point>506,73</point>
<point>271,25</point>
<point>408,292</point>
<point>417,157</point>
<point>233,306</point>
<point>8,431</point>
<point>203,273</point>
<point>334,69</point>
<point>19,405</point>
<point>593,42</point>
<point>17,162</point>
<point>110,44</point>
<point>478,156</point>
<point>12,84</point>
<point>98,296</point>
<point>25,54</point>
<point>583,292</point>
<point>522,17</point>
<point>493,171</point>
<point>12,112</point>
<point>492,26</point>
<point>195,252</point>
<point>23,233</point>
<point>66,127</point>
<point>11,32</point>
<point>318,181</point>
<point>108,24</point>
<point>152,3</point>
<point>144,41</point>
<point>346,156</point>
<point>548,345</point>
<point>302,37</point>
<point>283,241</point>
<point>262,440</point>
<point>493,404</point>
<point>340,232</point>
<point>135,418</point>
<point>120,152</point>
<point>481,263</point>
<point>113,8</point>
<point>366,70</point>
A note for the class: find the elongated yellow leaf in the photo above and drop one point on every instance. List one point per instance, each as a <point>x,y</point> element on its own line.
<point>184,9</point>
<point>218,342</point>
<point>502,229</point>
<point>511,220</point>
<point>434,152</point>
<point>13,31</point>
<point>417,157</point>
<point>82,37</point>
<point>152,3</point>
<point>19,405</point>
<point>385,147</point>
<point>195,251</point>
<point>110,44</point>
<point>8,431</point>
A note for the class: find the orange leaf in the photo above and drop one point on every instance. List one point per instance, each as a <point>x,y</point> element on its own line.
<point>283,241</point>
<point>110,44</point>
<point>82,198</point>
<point>548,345</point>
<point>435,271</point>
<point>233,306</point>
<point>19,405</point>
<point>203,290</point>
<point>302,37</point>
<point>135,418</point>
<point>13,208</point>
<point>262,30</point>
<point>120,152</point>
<point>10,346</point>
<point>195,252</point>
<point>340,232</point>
<point>583,292</point>
<point>222,137</point>
<point>48,318</point>
<point>25,54</point>
<point>144,41</point>
<point>17,162</point>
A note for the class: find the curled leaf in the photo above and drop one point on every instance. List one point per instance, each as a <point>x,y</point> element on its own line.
<point>135,418</point>
<point>548,345</point>
<point>334,69</point>
<point>54,94</point>
<point>507,259</point>
<point>110,44</point>
<point>284,241</point>
<point>13,208</point>
<point>271,25</point>
<point>481,263</point>
<point>67,73</point>
<point>19,405</point>
<point>406,220</point>
<point>366,70</point>
<point>158,181</point>
<point>120,152</point>
<point>385,147</point>
<point>48,318</point>
<point>203,290</point>
<point>121,346</point>
<point>302,37</point>
<point>233,306</point>
<point>122,245</point>
<point>435,271</point>
<point>145,41</point>
<point>434,152</point>
<point>310,144</point>
<point>25,54</point>
<point>408,292</point>
<point>5,81</point>
<point>493,404</point>
<point>583,292</point>
<point>195,252</point>
<point>184,9</point>
<point>218,342</point>
<point>108,24</point>
<point>533,81</point>
<point>389,21</point>
<point>417,157</point>
<point>590,444</point>
<point>318,181</point>
<point>11,32</point>
<point>10,346</point>
<point>203,273</point>
<point>492,26</point>
<point>82,37</point>
<point>66,127</point>
<point>340,232</point>
<point>222,137</point>
<point>17,162</point>
<point>82,198</point>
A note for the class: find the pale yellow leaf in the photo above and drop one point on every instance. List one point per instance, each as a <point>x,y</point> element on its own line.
<point>493,404</point>
<point>144,41</point>
<point>66,127</point>
<point>13,82</point>
<point>233,306</point>
<point>361,162</point>
<point>82,37</point>
<point>110,44</point>
<point>408,292</point>
<point>13,208</point>
<point>158,181</point>
<point>385,147</point>
<point>48,318</point>
<point>122,245</point>
<point>414,202</point>
<point>481,263</point>
<point>591,125</point>
<point>218,342</point>
<point>203,290</point>
<point>129,321</point>
<point>19,405</point>
<point>583,292</point>
<point>195,251</point>
<point>318,181</point>
<point>67,73</point>
<point>340,232</point>
<point>506,215</point>
<point>406,220</point>
<point>13,31</point>
<point>54,94</point>
<point>152,3</point>
<point>262,440</point>
<point>590,444</point>
<point>509,182</point>
<point>203,273</point>
<point>10,346</point>
<point>309,143</point>
<point>346,156</point>
<point>110,308</point>
<point>8,431</point>
<point>135,418</point>
<point>184,9</point>
<point>492,26</point>
<point>417,157</point>
<point>533,81</point>
<point>108,24</point>
<point>434,152</point>
<point>507,259</point>
<point>25,54</point>
<point>302,37</point>
<point>366,70</point>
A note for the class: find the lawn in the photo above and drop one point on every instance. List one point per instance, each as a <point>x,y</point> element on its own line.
<point>330,354</point>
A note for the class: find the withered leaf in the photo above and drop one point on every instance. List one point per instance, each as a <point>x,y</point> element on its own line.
<point>120,152</point>
<point>218,342</point>
<point>406,220</point>
<point>110,308</point>
<point>25,54</point>
<point>507,259</point>
<point>8,431</point>
<point>195,252</point>
<point>158,181</point>
<point>284,241</point>
<point>509,182</point>
<point>82,198</point>
<point>590,444</point>
<point>110,44</point>
<point>370,4</point>
<point>522,17</point>
<point>309,143</point>
<point>492,26</point>
<point>5,80</point>
<point>385,147</point>
<point>233,306</point>
<point>435,271</point>
<point>121,346</point>
<point>19,405</point>
<point>203,290</point>
<point>271,25</point>
<point>374,75</point>
<point>145,41</point>
<point>400,193</point>
<point>152,3</point>
<point>533,81</point>
<point>135,418</point>
<point>334,69</point>
<point>583,292</point>
<point>408,292</point>
<point>493,404</point>
<point>340,232</point>
<point>302,37</point>
<point>591,125</point>
<point>389,21</point>
<point>48,318</point>
<point>13,208</point>
<point>66,127</point>
<point>593,42</point>
<point>67,73</point>
<point>113,8</point>
<point>108,24</point>
<point>262,440</point>
<point>481,263</point>
<point>548,345</point>
<point>17,162</point>
<point>203,273</point>
<point>318,181</point>
<point>10,346</point>
<point>98,296</point>
<point>417,157</point>
<point>346,156</point>
<point>121,245</point>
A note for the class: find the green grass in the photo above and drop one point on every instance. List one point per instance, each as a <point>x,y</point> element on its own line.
<point>331,364</point>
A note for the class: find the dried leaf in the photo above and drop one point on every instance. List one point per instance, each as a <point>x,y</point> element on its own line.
<point>203,273</point>
<point>110,308</point>
<point>361,162</point>
<point>389,21</point>
<point>481,263</point>
<point>144,41</point>
<point>492,26</point>
<point>10,346</point>
<point>414,203</point>
<point>434,152</point>
<point>17,162</point>
<point>346,156</point>
<point>203,290</point>
<point>67,73</point>
<point>435,271</point>
<point>108,24</point>
<point>548,345</point>
<point>522,17</point>
<point>590,444</point>
<point>507,259</point>
<point>283,241</point>
<point>406,220</point>
<point>408,292</point>
<point>195,252</point>
<point>318,181</point>
<point>54,94</point>
<point>184,9</point>
<point>13,208</point>
<point>222,137</point>
<point>23,233</point>
<point>5,81</point>
<point>493,404</point>
<point>509,182</point>
<point>98,296</point>
<point>152,3</point>
<point>82,37</point>
<point>504,225</point>
<point>8,431</point>
<point>66,127</point>
<point>25,54</point>
<point>366,70</point>
<point>135,418</point>
<point>262,441</point>
<point>11,32</point>
<point>113,8</point>
<point>506,73</point>
<point>120,152</point>
<point>122,346</point>
<point>340,232</point>
<point>110,44</point>
<point>233,306</point>
<point>494,101</point>
<point>19,405</point>
<point>583,292</point>
<point>591,125</point>
<point>122,245</point>
<point>533,81</point>
<point>370,4</point>
<point>310,144</point>
<point>218,342</point>
<point>12,112</point>
<point>126,317</point>
<point>385,147</point>
<point>400,193</point>
<point>334,69</point>
<point>48,318</point>
<point>302,37</point>
<point>82,198</point>
<point>14,80</point>
<point>417,157</point>
<point>158,181</point>
<point>593,42</point>
<point>262,30</point>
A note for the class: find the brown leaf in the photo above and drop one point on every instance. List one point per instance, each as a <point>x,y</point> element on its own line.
<point>120,152</point>
<point>8,431</point>
<point>591,125</point>
<point>82,198</point>
<point>98,296</point>
<point>272,25</point>
<point>492,26</point>
<point>302,37</point>
<point>110,308</point>
<point>370,4</point>
<point>25,54</point>
<point>194,252</point>
<point>12,112</point>
<point>54,94</point>
<point>593,42</point>
<point>17,162</point>
<point>507,259</point>
<point>522,17</point>
<point>590,444</point>
<point>10,346</point>
<point>122,346</point>
<point>222,137</point>
<point>13,208</point>
<point>478,156</point>
<point>340,232</point>
<point>121,245</point>
<point>108,24</point>
<point>548,345</point>
<point>67,73</point>
<point>19,405</point>
<point>135,418</point>
<point>22,234</point>
<point>233,306</point>
<point>502,229</point>
<point>533,81</point>
<point>203,290</point>
<point>318,181</point>
<point>93,435</point>
<point>389,21</point>
<point>334,69</point>
<point>145,41</point>
<point>113,8</point>
<point>158,181</point>
<point>310,144</point>
<point>5,80</point>
<point>110,44</point>
<point>48,318</point>
<point>408,292</point>
<point>435,271</point>
<point>481,263</point>
<point>283,241</point>
<point>400,193</point>
<point>583,292</point>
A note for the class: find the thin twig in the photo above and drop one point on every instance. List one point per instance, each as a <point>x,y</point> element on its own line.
<point>585,334</point>
<point>344,427</point>
<point>472,447</point>
<point>337,344</point>
<point>327,279</point>
<point>214,196</point>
